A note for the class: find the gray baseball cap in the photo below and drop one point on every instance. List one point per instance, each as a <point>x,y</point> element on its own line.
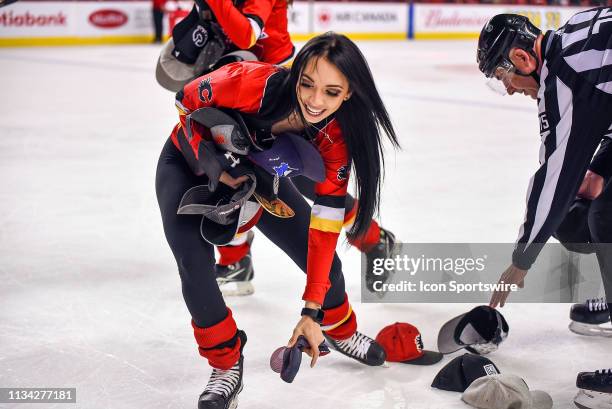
<point>504,391</point>
<point>173,74</point>
<point>224,211</point>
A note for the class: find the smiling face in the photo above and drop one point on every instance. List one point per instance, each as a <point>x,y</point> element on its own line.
<point>321,90</point>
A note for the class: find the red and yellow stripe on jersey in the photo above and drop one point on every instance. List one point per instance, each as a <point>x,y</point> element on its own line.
<point>257,25</point>
<point>249,87</point>
<point>327,215</point>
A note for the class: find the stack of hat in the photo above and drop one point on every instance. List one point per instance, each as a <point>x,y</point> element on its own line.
<point>484,387</point>
<point>481,331</point>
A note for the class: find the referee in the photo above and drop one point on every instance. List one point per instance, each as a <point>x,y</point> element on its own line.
<point>569,72</point>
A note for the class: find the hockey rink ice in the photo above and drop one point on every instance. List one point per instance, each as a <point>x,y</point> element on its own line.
<point>89,291</point>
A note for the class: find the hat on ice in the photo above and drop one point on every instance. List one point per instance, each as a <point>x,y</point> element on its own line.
<point>225,210</point>
<point>504,392</point>
<point>459,373</point>
<point>402,343</point>
<point>291,155</point>
<point>480,331</point>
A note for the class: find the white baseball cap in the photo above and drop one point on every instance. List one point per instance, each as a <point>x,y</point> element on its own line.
<point>504,391</point>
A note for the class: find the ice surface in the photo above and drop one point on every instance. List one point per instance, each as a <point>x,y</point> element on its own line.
<point>90,296</point>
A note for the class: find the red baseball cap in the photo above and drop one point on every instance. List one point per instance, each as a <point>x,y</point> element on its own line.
<point>402,342</point>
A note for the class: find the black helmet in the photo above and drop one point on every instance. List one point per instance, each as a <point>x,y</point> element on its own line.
<point>499,35</point>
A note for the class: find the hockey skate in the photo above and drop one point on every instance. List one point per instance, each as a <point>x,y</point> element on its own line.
<point>223,387</point>
<point>382,250</point>
<point>591,318</point>
<point>235,279</point>
<point>359,347</point>
<point>595,390</point>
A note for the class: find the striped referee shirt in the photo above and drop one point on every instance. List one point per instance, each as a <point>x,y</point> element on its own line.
<point>575,113</point>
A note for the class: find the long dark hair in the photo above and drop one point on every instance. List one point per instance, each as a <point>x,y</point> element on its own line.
<point>360,117</point>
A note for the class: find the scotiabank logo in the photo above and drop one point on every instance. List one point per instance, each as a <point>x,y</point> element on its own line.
<point>108,18</point>
<point>27,19</point>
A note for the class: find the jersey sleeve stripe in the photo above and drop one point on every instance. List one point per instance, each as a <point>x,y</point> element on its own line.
<point>326,225</point>
<point>329,213</point>
<point>331,201</point>
<point>556,159</point>
<point>589,60</point>
<point>582,16</point>
<point>257,30</point>
<point>605,87</point>
<point>571,38</point>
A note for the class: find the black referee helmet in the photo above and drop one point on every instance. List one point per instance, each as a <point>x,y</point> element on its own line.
<point>499,35</point>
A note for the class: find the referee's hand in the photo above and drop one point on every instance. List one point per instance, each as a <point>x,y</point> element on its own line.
<point>512,275</point>
<point>591,186</point>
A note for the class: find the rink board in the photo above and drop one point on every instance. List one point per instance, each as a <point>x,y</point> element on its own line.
<point>35,23</point>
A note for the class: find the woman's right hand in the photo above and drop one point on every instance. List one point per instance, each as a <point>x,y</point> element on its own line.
<point>313,334</point>
<point>232,182</point>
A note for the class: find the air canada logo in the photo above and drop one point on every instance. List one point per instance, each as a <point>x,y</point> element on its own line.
<point>205,91</point>
<point>283,169</point>
<point>419,343</point>
<point>342,173</point>
<point>325,17</point>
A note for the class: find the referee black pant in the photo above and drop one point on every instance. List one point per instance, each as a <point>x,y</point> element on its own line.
<point>587,224</point>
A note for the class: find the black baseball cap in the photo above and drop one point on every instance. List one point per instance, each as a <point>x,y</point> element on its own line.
<point>459,373</point>
<point>480,331</point>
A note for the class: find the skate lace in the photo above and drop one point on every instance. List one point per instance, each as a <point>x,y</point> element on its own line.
<point>357,345</point>
<point>223,382</point>
<point>597,304</point>
<point>387,239</point>
<point>607,372</point>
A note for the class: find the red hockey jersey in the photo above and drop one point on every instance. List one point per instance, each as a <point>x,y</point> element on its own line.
<point>257,25</point>
<point>247,87</point>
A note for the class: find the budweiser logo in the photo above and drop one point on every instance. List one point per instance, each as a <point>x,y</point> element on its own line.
<point>108,18</point>
<point>437,18</point>
<point>27,19</point>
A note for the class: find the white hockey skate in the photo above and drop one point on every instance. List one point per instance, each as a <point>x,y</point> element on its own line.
<point>235,279</point>
<point>595,390</point>
<point>586,399</point>
<point>591,318</point>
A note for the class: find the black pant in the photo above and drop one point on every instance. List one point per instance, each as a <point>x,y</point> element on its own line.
<point>158,17</point>
<point>195,257</point>
<point>587,224</point>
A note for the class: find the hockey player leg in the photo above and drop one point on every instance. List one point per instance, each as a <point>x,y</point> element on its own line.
<point>222,344</point>
<point>376,243</point>
<point>340,330</point>
<point>593,317</point>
